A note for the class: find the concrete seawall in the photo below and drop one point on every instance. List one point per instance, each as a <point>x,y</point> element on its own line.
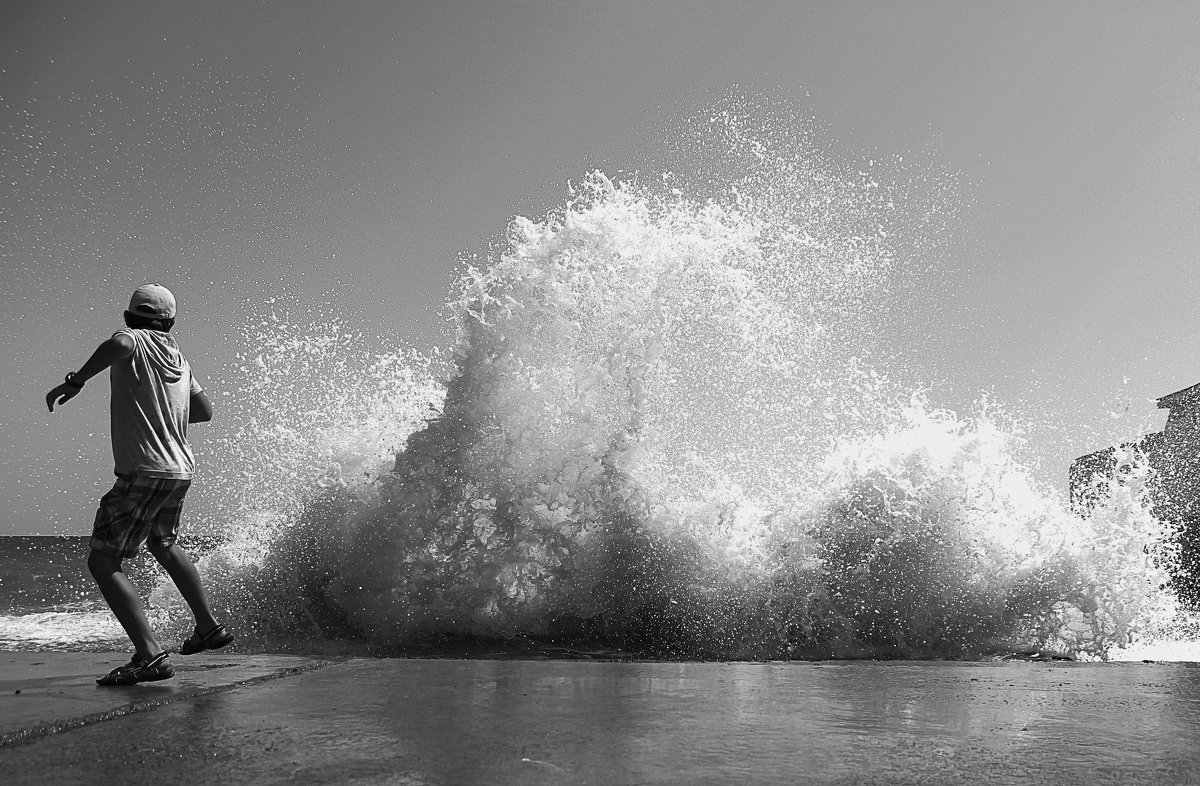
<point>274,719</point>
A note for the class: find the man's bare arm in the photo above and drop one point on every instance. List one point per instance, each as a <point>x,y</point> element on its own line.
<point>116,348</point>
<point>199,408</point>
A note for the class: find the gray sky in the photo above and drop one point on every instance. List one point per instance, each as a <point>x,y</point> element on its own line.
<point>342,155</point>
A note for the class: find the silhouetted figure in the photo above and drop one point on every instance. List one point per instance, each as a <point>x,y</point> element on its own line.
<point>154,398</point>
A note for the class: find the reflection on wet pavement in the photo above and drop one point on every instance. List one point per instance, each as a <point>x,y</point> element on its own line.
<point>500,722</point>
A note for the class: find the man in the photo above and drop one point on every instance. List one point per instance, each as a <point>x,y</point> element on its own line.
<point>154,398</point>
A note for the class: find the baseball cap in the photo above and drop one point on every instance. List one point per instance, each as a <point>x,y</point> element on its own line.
<point>154,301</point>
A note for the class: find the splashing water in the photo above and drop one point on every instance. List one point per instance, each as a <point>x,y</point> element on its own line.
<point>671,424</point>
<point>319,410</point>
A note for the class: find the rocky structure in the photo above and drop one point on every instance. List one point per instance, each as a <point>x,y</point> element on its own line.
<point>1174,454</point>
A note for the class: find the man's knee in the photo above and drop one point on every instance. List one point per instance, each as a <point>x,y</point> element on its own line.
<point>101,563</point>
<point>160,546</point>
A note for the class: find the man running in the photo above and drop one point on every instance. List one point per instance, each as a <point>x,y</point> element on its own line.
<point>154,398</point>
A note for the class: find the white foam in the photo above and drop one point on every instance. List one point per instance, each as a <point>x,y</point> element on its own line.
<point>59,630</point>
<point>669,413</point>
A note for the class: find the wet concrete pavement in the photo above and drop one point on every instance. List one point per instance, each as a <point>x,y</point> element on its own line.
<point>554,722</point>
<point>45,692</point>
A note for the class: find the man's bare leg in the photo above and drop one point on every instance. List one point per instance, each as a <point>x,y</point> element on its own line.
<point>124,601</point>
<point>182,571</point>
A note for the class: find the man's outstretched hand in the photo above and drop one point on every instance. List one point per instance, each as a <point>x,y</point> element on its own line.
<point>61,395</point>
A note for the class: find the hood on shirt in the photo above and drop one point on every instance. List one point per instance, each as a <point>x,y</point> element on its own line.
<point>164,352</point>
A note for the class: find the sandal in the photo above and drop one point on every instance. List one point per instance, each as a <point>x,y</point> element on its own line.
<point>139,670</point>
<point>215,639</point>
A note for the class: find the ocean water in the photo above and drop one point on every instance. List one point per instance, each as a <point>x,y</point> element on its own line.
<point>48,600</point>
<point>673,419</point>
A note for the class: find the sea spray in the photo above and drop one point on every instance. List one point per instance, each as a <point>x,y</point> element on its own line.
<point>313,409</point>
<point>939,525</point>
<point>631,336</point>
<point>671,423</point>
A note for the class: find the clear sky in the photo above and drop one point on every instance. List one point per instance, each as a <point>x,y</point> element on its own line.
<point>342,156</point>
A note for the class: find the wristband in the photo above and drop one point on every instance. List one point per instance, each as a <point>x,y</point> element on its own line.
<point>71,381</point>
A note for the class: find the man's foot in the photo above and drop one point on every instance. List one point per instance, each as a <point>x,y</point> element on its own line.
<point>215,639</point>
<point>140,670</point>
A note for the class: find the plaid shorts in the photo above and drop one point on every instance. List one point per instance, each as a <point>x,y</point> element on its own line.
<point>138,508</point>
